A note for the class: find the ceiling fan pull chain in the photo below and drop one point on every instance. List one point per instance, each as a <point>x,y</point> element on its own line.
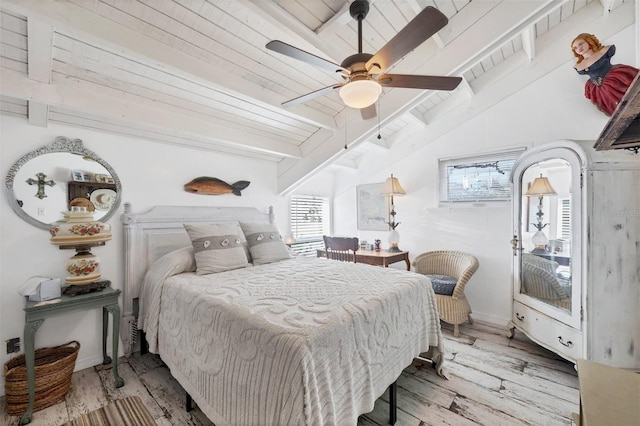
<point>379,114</point>
<point>345,131</point>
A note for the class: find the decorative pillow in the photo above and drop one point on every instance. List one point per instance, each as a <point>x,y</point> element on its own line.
<point>217,247</point>
<point>443,284</point>
<point>265,242</point>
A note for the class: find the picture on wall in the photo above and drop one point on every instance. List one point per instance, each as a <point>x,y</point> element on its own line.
<point>373,212</point>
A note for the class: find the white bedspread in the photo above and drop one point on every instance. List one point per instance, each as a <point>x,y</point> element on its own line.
<point>303,341</point>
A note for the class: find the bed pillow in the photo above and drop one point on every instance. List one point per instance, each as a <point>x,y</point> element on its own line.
<point>265,242</point>
<point>217,247</point>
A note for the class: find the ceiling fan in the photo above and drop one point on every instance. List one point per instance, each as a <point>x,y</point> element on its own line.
<point>364,73</point>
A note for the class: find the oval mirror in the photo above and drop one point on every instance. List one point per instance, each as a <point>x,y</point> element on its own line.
<point>45,182</point>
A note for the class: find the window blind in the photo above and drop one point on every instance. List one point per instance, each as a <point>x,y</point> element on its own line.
<point>478,178</point>
<point>565,217</point>
<point>309,216</point>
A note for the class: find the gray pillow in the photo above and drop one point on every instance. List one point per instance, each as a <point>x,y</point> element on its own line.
<point>265,242</point>
<point>217,247</point>
<point>443,284</point>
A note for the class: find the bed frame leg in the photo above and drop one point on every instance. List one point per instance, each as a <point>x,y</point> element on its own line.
<point>393,403</point>
<point>144,345</point>
<point>188,403</point>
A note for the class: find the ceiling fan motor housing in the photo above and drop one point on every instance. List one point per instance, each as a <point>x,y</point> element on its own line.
<point>356,64</point>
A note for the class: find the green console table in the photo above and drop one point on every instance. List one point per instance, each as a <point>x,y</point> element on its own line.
<point>37,312</point>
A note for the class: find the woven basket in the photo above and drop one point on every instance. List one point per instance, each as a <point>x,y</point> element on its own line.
<point>53,370</point>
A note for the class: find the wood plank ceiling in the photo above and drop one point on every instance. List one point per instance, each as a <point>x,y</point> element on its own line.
<point>196,72</point>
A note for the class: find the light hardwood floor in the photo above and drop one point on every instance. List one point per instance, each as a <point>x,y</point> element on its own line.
<point>492,381</point>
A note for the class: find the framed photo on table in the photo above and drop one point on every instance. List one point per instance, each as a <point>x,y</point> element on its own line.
<point>373,209</point>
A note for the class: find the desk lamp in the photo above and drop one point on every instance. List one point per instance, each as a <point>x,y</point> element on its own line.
<point>392,187</point>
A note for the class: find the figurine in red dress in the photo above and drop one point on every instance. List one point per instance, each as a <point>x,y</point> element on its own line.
<point>607,83</point>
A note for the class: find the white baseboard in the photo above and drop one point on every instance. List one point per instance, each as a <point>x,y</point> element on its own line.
<point>493,320</point>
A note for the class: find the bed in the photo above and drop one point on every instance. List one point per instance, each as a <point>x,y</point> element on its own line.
<point>303,341</point>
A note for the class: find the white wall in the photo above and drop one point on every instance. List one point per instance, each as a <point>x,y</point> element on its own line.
<point>151,174</point>
<point>552,108</point>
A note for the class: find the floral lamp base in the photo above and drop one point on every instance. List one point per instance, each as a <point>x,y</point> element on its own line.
<point>83,268</point>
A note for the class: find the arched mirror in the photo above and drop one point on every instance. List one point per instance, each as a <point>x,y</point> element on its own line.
<point>47,181</point>
<point>546,230</point>
<point>547,200</point>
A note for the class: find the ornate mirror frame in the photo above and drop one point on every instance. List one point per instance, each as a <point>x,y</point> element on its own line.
<point>62,145</point>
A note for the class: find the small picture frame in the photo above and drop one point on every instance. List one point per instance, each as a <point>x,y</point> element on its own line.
<point>88,177</point>
<point>102,178</point>
<point>78,176</point>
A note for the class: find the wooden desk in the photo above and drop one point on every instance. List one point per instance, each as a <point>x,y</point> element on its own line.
<point>608,395</point>
<point>377,258</point>
<point>37,312</point>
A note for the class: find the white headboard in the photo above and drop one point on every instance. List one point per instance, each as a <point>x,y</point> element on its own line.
<point>156,232</point>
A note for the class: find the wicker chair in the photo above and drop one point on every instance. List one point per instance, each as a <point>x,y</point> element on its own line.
<point>540,280</point>
<point>449,272</point>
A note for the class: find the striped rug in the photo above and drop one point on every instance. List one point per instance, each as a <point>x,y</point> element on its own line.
<point>128,411</point>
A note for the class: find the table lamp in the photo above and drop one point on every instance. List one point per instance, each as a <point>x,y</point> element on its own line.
<point>392,187</point>
<point>79,231</point>
<point>539,188</point>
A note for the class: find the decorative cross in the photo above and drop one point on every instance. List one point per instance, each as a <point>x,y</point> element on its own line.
<point>41,183</point>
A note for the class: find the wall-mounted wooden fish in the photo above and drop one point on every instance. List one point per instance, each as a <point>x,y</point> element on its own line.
<point>213,186</point>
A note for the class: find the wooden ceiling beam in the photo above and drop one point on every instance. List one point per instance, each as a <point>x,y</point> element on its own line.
<point>39,53</point>
<point>529,41</point>
<point>290,27</point>
<point>76,21</point>
<point>132,110</point>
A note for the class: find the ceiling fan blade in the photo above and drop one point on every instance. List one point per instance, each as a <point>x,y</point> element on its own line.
<point>368,112</point>
<point>311,95</point>
<point>295,53</point>
<point>424,25</point>
<point>430,82</point>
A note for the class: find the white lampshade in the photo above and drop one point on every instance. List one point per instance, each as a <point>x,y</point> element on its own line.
<point>392,187</point>
<point>540,186</point>
<point>360,93</point>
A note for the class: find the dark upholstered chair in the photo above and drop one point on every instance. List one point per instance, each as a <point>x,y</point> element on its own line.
<point>341,248</point>
<point>449,272</point>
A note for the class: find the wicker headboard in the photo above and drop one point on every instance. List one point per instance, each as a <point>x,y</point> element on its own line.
<point>156,232</point>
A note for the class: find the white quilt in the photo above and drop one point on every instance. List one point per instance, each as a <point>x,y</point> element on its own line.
<point>304,341</point>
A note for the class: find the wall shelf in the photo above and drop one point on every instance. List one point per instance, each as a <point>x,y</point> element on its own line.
<point>623,129</point>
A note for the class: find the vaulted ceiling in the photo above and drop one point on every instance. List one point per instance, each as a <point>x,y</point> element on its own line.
<point>197,73</point>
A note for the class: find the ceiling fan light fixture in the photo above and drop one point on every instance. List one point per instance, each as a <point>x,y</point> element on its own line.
<point>360,93</point>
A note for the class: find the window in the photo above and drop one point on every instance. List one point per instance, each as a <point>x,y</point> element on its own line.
<point>309,217</point>
<point>479,178</point>
<point>564,218</point>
